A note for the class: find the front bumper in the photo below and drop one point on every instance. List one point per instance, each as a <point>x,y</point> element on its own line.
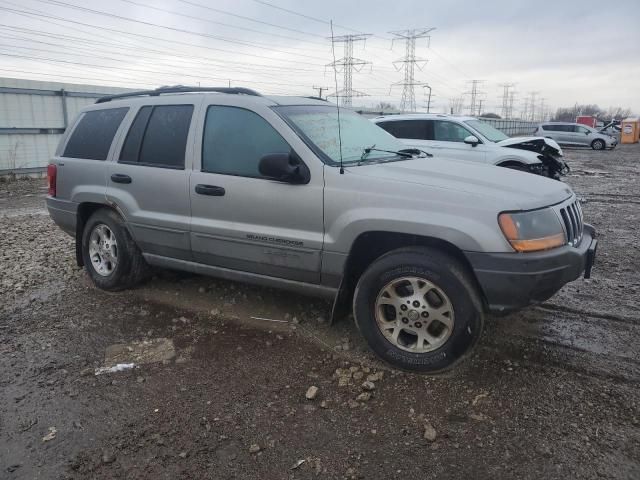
<point>514,280</point>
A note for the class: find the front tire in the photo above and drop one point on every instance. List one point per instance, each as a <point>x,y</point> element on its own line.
<point>598,144</point>
<point>418,309</point>
<point>111,257</point>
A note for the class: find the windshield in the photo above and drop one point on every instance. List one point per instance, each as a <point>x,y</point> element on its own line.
<point>490,133</point>
<point>318,124</point>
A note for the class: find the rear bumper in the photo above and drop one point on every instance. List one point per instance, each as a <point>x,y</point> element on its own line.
<point>514,280</point>
<point>64,213</point>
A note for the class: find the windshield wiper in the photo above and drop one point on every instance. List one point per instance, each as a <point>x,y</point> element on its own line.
<point>405,153</point>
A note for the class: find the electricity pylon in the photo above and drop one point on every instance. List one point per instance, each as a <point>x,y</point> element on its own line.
<point>348,64</point>
<point>408,63</point>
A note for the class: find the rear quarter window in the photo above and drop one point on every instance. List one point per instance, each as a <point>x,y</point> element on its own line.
<point>92,136</point>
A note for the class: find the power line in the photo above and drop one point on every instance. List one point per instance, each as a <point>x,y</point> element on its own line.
<point>409,63</point>
<point>173,29</point>
<point>124,32</point>
<point>309,17</point>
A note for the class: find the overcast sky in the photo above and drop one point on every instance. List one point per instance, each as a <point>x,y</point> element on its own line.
<point>568,51</point>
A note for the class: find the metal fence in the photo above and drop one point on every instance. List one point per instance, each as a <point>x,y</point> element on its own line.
<point>512,128</point>
<point>33,117</point>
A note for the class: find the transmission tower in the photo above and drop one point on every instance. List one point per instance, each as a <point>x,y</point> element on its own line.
<point>475,94</point>
<point>512,98</point>
<point>506,99</point>
<point>532,105</point>
<point>408,63</point>
<point>348,64</point>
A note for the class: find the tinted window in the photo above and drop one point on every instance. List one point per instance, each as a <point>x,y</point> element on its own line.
<point>94,133</point>
<point>158,136</point>
<point>449,132</point>
<point>550,128</point>
<point>413,129</point>
<point>236,139</point>
<point>131,147</point>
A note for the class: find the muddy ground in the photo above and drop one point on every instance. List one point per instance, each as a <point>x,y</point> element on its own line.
<point>218,390</point>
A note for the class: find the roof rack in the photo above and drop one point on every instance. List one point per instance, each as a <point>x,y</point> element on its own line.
<point>179,89</point>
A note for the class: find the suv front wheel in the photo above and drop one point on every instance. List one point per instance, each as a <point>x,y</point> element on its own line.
<point>111,257</point>
<point>418,309</point>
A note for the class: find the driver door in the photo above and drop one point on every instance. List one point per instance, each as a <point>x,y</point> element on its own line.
<point>448,140</point>
<point>241,220</point>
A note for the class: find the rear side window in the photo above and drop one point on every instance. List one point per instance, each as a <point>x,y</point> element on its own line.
<point>413,129</point>
<point>92,137</point>
<point>158,136</point>
<point>236,139</point>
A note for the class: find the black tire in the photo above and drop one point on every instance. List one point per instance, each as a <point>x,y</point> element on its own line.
<point>598,144</point>
<point>448,274</point>
<point>131,267</point>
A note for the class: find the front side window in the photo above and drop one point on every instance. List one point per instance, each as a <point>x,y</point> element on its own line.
<point>449,132</point>
<point>581,129</point>
<point>158,136</point>
<point>235,139</point>
<point>410,129</point>
<point>317,125</point>
<point>488,131</point>
<point>92,137</point>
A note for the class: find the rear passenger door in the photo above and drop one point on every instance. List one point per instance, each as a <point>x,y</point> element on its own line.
<point>82,167</point>
<point>241,220</point>
<point>414,133</point>
<point>149,179</point>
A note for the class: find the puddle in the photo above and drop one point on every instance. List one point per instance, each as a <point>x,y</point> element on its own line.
<point>141,352</point>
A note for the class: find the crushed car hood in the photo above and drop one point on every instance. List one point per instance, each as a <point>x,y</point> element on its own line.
<point>533,144</point>
<point>510,188</point>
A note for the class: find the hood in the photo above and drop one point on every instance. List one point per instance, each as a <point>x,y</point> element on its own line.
<point>510,189</point>
<point>533,144</point>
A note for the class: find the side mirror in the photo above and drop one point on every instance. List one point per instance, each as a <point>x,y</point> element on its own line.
<point>472,140</point>
<point>587,133</point>
<point>284,167</point>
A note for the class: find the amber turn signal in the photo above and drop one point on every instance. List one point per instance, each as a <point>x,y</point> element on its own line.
<point>513,225</point>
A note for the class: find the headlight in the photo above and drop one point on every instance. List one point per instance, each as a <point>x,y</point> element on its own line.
<point>532,231</point>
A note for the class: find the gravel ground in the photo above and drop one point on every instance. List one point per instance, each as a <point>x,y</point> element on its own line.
<point>219,391</point>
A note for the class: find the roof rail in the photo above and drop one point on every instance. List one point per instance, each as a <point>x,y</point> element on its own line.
<point>179,89</point>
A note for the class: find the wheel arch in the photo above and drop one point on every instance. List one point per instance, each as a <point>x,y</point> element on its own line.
<point>369,246</point>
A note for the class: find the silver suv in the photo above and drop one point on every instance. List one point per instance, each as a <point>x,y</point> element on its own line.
<point>267,190</point>
<point>576,134</point>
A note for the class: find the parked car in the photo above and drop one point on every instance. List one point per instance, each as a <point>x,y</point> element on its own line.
<point>467,138</point>
<point>229,183</point>
<point>575,134</point>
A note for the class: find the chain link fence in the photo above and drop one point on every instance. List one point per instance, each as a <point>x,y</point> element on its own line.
<point>513,128</point>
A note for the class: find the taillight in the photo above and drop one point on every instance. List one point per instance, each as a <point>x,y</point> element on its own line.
<point>52,173</point>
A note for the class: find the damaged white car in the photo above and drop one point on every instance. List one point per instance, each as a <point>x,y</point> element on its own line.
<point>467,138</point>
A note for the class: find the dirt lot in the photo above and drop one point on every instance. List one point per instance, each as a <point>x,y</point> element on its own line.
<point>219,392</point>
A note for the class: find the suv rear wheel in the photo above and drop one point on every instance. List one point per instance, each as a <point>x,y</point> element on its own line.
<point>111,258</point>
<point>418,309</point>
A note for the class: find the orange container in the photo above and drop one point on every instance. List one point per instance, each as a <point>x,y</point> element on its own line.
<point>630,130</point>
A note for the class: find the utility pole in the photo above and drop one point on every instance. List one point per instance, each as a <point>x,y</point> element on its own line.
<point>408,63</point>
<point>506,87</point>
<point>475,93</point>
<point>428,101</point>
<point>349,64</point>
<point>480,108</point>
<point>320,90</point>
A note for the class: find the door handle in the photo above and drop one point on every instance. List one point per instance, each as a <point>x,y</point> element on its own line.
<point>120,178</point>
<point>210,190</point>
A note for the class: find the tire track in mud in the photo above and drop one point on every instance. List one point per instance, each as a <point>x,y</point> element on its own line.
<point>596,344</point>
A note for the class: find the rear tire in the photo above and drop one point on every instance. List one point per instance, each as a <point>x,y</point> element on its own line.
<point>418,309</point>
<point>598,144</point>
<point>111,257</point>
